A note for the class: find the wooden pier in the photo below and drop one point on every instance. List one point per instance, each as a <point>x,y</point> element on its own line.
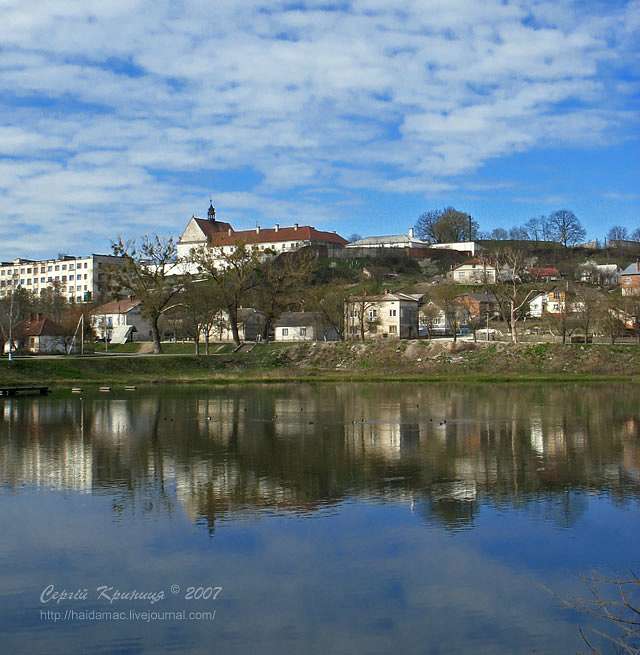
<point>15,391</point>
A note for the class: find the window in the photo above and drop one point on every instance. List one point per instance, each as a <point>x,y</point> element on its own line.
<point>285,332</point>
<point>393,312</point>
<point>393,329</point>
<point>303,331</point>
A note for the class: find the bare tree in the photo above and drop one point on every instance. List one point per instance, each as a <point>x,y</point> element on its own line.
<point>536,228</point>
<point>446,225</point>
<point>615,604</point>
<point>447,298</point>
<point>233,273</point>
<point>146,273</point>
<point>565,228</point>
<point>329,300</point>
<point>618,233</point>
<point>280,284</point>
<point>361,312</point>
<point>588,309</point>
<point>198,306</point>
<point>513,296</point>
<point>499,234</point>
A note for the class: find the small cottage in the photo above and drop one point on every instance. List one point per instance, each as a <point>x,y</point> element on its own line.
<point>303,326</point>
<point>39,335</point>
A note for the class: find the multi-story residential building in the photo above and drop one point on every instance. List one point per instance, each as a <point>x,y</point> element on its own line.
<point>392,315</point>
<point>78,279</point>
<point>222,239</point>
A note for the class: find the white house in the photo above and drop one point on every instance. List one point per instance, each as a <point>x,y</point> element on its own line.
<point>120,321</point>
<point>222,239</point>
<point>303,326</point>
<point>475,271</point>
<point>38,335</point>
<point>393,315</point>
<point>594,273</point>
<point>251,324</point>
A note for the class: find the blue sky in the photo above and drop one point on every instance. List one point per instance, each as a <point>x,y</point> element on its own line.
<point>356,116</point>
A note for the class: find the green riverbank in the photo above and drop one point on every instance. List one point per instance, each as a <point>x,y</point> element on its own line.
<point>373,361</point>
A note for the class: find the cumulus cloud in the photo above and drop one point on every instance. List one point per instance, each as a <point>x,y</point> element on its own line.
<point>109,110</point>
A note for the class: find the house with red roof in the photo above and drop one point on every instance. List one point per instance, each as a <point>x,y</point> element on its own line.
<point>222,238</point>
<point>543,273</point>
<point>38,334</point>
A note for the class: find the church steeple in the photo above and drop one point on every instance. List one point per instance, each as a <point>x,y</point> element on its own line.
<point>212,212</point>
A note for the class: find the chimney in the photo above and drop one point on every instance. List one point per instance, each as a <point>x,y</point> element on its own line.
<point>295,226</point>
<point>257,229</point>
<point>411,233</point>
<point>229,231</point>
<point>277,227</point>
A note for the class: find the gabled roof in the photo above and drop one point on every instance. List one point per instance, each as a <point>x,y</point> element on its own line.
<point>485,296</point>
<point>632,269</point>
<point>38,326</point>
<point>543,271</point>
<point>211,228</point>
<point>118,306</point>
<point>298,319</point>
<point>476,262</point>
<point>391,297</point>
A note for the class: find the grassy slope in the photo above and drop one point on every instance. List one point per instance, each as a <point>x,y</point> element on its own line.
<point>339,361</point>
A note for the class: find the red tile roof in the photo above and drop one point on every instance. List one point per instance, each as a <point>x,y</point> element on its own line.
<point>212,228</point>
<point>544,271</point>
<point>222,234</point>
<point>117,306</point>
<point>38,326</point>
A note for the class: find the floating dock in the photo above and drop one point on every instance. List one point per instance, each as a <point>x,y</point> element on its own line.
<point>15,391</point>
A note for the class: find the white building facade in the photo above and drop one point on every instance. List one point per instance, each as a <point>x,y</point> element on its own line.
<point>78,279</point>
<point>221,239</point>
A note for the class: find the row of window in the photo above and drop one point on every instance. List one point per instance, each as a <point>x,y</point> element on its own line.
<point>354,329</point>
<point>28,281</point>
<point>301,331</point>
<point>43,269</point>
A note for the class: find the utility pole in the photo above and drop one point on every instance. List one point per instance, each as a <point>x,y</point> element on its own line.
<point>13,290</point>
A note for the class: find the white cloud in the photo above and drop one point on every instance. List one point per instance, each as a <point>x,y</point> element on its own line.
<point>107,106</point>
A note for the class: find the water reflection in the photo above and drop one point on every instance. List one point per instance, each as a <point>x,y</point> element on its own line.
<point>444,450</point>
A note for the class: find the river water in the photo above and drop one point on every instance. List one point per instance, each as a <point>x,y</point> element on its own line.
<point>350,518</point>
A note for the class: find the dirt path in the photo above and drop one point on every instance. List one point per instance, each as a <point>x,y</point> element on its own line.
<point>146,348</point>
